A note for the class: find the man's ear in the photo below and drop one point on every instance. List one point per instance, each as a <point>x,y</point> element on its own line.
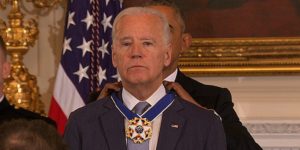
<point>5,69</point>
<point>113,55</point>
<point>186,41</point>
<point>168,55</point>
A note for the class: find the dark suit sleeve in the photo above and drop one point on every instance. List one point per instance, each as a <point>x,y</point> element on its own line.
<point>71,134</point>
<point>224,107</point>
<point>237,135</point>
<point>220,100</point>
<point>9,112</point>
<point>216,138</point>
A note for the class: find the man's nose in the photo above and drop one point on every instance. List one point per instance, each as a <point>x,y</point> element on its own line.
<point>136,51</point>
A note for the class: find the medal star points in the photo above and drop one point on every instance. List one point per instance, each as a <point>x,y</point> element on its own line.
<point>139,130</point>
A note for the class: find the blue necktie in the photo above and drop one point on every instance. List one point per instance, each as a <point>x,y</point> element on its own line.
<point>139,109</point>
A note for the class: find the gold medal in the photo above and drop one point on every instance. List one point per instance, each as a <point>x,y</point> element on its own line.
<point>139,130</point>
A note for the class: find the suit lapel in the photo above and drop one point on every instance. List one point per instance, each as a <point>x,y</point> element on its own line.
<point>113,127</point>
<point>171,127</point>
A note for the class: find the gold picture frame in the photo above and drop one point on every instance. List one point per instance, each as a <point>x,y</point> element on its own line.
<point>242,56</point>
<point>221,29</point>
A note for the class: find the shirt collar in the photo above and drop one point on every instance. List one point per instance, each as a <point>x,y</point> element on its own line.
<point>130,101</point>
<point>172,76</point>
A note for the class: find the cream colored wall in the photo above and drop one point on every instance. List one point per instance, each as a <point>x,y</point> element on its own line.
<point>48,51</point>
<point>265,97</point>
<point>267,105</point>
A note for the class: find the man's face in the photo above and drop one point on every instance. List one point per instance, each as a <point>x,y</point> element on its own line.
<point>179,40</point>
<point>4,69</point>
<point>139,51</point>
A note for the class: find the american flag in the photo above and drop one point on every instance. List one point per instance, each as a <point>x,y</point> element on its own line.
<point>86,56</point>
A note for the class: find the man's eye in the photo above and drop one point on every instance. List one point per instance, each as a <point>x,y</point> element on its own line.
<point>147,43</point>
<point>125,43</point>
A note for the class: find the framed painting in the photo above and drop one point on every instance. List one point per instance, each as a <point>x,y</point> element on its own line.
<point>241,37</point>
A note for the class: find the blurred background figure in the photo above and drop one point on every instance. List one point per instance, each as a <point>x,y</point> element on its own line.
<point>24,134</point>
<point>8,111</point>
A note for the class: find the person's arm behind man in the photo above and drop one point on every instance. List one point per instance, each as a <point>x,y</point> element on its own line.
<point>238,137</point>
<point>116,86</point>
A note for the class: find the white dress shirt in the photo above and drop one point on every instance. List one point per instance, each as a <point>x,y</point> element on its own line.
<point>172,76</point>
<point>130,101</point>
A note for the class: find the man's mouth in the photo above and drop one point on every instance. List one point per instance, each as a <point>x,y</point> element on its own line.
<point>136,66</point>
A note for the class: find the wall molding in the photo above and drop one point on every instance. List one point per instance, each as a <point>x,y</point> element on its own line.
<point>276,134</point>
<point>274,128</point>
<point>281,148</point>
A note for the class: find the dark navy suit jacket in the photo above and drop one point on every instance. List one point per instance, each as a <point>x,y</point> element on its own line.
<point>100,126</point>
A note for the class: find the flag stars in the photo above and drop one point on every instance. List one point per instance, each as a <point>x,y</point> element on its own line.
<point>70,19</point>
<point>121,3</point>
<point>67,45</point>
<point>82,72</point>
<point>101,75</point>
<point>103,48</point>
<point>85,46</point>
<point>106,22</point>
<point>88,20</point>
<point>106,2</point>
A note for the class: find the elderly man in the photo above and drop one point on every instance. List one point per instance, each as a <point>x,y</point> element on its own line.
<point>143,115</point>
<point>208,96</point>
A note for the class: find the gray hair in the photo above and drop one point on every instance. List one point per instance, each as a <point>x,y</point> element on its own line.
<point>136,11</point>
